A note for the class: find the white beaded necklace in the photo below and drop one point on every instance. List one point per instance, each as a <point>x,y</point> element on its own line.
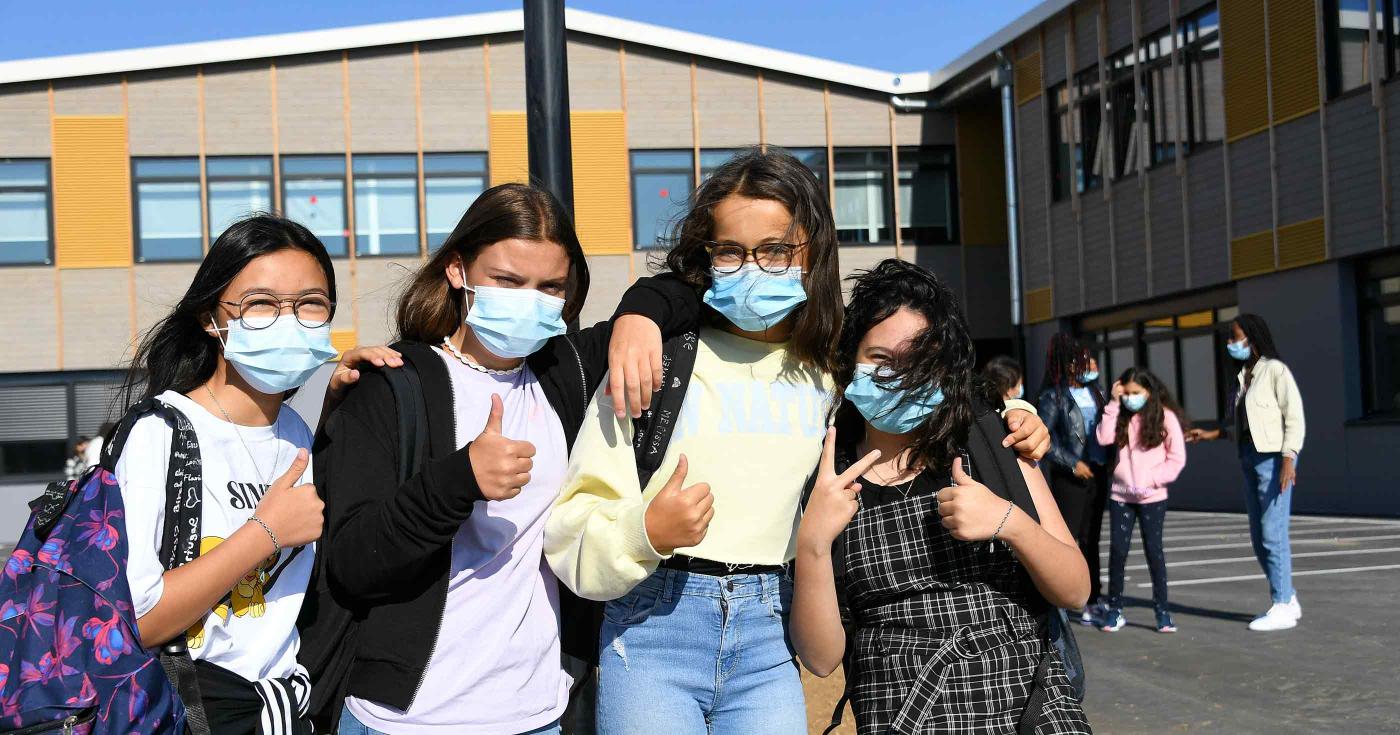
<point>452,349</point>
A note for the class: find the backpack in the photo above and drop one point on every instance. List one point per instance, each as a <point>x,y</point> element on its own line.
<point>651,433</point>
<point>71,659</point>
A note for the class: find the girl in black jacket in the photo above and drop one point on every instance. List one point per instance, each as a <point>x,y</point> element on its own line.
<point>435,607</point>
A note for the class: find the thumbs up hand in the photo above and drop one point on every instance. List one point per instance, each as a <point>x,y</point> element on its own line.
<point>502,465</point>
<point>969,509</point>
<point>293,512</point>
<point>679,517</point>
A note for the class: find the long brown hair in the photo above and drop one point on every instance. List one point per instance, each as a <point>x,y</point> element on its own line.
<point>775,175</point>
<point>1152,429</point>
<point>429,311</point>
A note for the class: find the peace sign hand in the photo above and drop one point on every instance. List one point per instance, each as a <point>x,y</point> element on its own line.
<point>834,497</point>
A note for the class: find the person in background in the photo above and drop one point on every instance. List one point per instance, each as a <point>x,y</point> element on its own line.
<point>1144,422</point>
<point>92,453</point>
<point>76,463</point>
<point>1267,411</point>
<point>1070,404</point>
<point>1005,374</point>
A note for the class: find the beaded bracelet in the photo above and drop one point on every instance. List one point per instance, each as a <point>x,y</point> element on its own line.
<point>276,547</point>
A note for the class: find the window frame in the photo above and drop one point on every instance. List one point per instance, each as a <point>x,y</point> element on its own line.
<point>798,151</point>
<point>633,171</point>
<point>1190,49</point>
<point>891,182</point>
<point>1161,144</point>
<point>417,208</point>
<point>1122,73</point>
<point>484,173</point>
<point>47,191</point>
<point>1378,268</point>
<point>1081,102</point>
<point>345,192</point>
<point>210,178</point>
<point>137,253</point>
<point>911,154</point>
<point>1331,29</point>
<point>68,380</point>
<point>1062,153</point>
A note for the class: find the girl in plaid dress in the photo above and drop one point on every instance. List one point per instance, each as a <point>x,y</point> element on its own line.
<point>941,583</point>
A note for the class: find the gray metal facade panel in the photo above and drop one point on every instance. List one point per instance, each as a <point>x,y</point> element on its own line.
<point>1086,35</point>
<point>238,115</point>
<point>311,103</point>
<point>21,289</point>
<point>1299,144</point>
<point>1066,254</point>
<point>1130,241</point>
<point>88,96</point>
<point>1209,242</point>
<point>1098,262</point>
<point>1190,6</point>
<point>95,308</point>
<point>1156,15</point>
<point>1053,58</point>
<point>1030,142</point>
<point>858,118</point>
<point>1354,176</point>
<point>382,114</point>
<point>24,108</point>
<point>793,111</point>
<point>658,100</point>
<point>911,128</point>
<point>163,113</point>
<point>595,79</point>
<point>1251,192</point>
<point>1168,244</point>
<point>726,97</point>
<point>453,95</point>
<point>1120,25</point>
<point>508,72</point>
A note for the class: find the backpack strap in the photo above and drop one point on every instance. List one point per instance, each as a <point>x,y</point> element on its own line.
<point>651,433</point>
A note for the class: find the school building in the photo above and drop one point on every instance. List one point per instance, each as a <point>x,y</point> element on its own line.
<point>1174,162</point>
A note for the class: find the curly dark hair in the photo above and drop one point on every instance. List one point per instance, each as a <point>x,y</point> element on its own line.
<point>1065,360</point>
<point>941,355</point>
<point>1152,430</point>
<point>1003,372</point>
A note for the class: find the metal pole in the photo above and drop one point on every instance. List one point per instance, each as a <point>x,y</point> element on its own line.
<point>547,99</point>
<point>1013,239</point>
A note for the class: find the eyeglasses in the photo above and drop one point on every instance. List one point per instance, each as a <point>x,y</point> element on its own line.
<point>774,257</point>
<point>260,310</point>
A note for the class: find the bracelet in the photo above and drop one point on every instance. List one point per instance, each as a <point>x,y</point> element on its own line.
<point>277,548</point>
<point>1009,506</point>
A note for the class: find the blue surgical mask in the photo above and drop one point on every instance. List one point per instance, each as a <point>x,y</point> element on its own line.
<point>1238,350</point>
<point>754,299</point>
<point>886,409</point>
<point>1088,377</point>
<point>514,322</point>
<point>1020,390</point>
<point>280,357</point>
<point>1134,401</point>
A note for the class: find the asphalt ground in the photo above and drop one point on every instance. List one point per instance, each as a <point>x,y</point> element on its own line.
<point>1337,672</point>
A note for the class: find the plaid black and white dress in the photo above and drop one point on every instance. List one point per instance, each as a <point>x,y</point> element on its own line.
<point>947,635</point>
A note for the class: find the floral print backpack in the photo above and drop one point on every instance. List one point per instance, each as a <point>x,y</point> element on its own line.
<point>71,658</point>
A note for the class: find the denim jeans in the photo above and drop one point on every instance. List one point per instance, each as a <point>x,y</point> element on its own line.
<point>1268,519</point>
<point>1151,517</point>
<point>692,654</point>
<point>351,726</point>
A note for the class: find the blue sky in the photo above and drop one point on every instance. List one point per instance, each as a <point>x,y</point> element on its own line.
<point>897,35</point>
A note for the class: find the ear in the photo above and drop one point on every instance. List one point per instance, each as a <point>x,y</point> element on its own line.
<point>456,275</point>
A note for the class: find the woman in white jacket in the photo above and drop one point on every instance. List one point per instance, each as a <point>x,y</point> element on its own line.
<point>1268,415</point>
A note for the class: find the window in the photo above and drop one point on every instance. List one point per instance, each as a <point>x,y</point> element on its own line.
<point>451,182</point>
<point>386,205</point>
<point>1090,137</point>
<point>169,223</point>
<point>1122,114</point>
<point>1062,157</point>
<point>24,211</point>
<point>714,158</point>
<point>863,195</point>
<point>1380,335</point>
<point>238,186</point>
<point>1200,60</point>
<point>1160,97</point>
<point>661,185</point>
<point>926,195</point>
<point>313,193</point>
<point>1183,350</point>
<point>1347,31</point>
<point>43,414</point>
<point>814,159</point>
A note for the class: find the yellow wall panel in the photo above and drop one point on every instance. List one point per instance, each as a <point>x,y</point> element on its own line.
<point>509,157</point>
<point>342,340</point>
<point>1302,243</point>
<point>1039,305</point>
<point>1243,69</point>
<point>602,200</point>
<point>981,176</point>
<point>1027,78</point>
<point>91,192</point>
<point>1293,57</point>
<point>1252,255</point>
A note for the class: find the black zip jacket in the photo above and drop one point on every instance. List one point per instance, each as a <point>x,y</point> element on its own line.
<point>386,551</point>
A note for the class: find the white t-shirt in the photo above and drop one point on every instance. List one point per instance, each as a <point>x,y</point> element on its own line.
<point>496,667</point>
<point>253,633</point>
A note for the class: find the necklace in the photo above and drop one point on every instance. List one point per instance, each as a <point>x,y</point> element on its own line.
<point>276,424</point>
<point>903,491</point>
<point>451,348</point>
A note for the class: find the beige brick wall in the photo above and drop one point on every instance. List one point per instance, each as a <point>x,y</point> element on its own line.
<point>383,116</point>
<point>454,95</point>
<point>859,119</point>
<point>507,73</point>
<point>595,79</point>
<point>88,96</point>
<point>96,317</point>
<point>310,104</point>
<point>793,112</point>
<point>163,113</point>
<point>238,108</point>
<point>24,110</point>
<point>380,281</point>
<point>28,301</point>
<point>607,282</point>
<point>727,98</point>
<point>926,128</point>
<point>158,287</point>
<point>658,99</point>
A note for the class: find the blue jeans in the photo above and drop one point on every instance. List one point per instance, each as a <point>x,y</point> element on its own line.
<point>693,654</point>
<point>1151,517</point>
<point>351,726</point>
<point>1268,519</point>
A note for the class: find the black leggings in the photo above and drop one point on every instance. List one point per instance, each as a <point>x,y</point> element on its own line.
<point>1082,503</point>
<point>1151,516</point>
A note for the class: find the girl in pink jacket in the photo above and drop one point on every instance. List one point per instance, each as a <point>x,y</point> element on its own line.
<point>1143,421</point>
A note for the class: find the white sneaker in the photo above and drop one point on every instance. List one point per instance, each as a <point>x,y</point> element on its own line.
<point>1279,617</point>
<point>1295,607</point>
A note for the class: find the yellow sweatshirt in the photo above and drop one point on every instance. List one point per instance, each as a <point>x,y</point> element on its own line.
<point>751,426</point>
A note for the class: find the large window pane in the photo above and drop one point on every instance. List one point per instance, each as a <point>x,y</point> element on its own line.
<point>1122,110</point>
<point>1091,136</point>
<point>926,211</point>
<point>1061,136</point>
<point>1349,49</point>
<point>170,221</point>
<point>386,216</point>
<point>815,160</point>
<point>863,196</point>
<point>1198,397</point>
<point>447,199</point>
<point>24,212</point>
<point>1380,313</point>
<point>661,185</point>
<point>1205,116</point>
<point>230,201</point>
<point>313,193</point>
<point>1161,360</point>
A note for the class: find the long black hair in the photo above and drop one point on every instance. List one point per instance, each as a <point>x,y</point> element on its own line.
<point>1152,428</point>
<point>941,355</point>
<point>775,175</point>
<point>1065,361</point>
<point>1261,340</point>
<point>177,353</point>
